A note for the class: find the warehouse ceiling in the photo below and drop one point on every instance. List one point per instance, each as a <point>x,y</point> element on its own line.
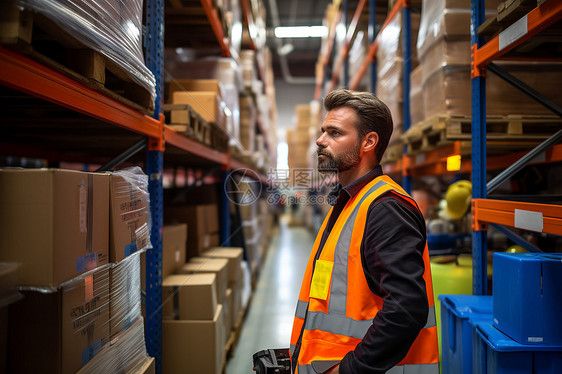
<point>303,52</point>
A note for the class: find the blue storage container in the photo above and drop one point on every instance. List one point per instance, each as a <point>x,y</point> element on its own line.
<point>527,290</point>
<point>496,353</point>
<point>456,331</point>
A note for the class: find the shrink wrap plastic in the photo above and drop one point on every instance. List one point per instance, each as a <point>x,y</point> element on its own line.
<point>111,27</point>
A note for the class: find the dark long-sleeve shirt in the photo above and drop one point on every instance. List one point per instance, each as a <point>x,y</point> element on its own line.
<point>392,255</point>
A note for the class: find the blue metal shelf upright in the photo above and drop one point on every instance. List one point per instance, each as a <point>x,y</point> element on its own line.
<point>154,46</point>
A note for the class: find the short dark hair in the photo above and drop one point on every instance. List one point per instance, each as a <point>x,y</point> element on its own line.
<point>372,114</point>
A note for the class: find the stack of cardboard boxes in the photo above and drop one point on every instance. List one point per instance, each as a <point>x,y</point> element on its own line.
<point>202,310</point>
<point>301,139</point>
<point>390,63</point>
<point>202,224</point>
<point>217,82</point>
<point>56,224</point>
<point>444,49</point>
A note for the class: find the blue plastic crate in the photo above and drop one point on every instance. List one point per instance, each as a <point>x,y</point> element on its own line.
<point>527,290</point>
<point>496,353</point>
<point>456,331</point>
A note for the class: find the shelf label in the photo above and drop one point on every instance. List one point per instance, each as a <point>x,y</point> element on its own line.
<point>513,32</point>
<point>528,220</point>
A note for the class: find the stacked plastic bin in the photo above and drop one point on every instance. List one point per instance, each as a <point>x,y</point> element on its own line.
<point>525,335</point>
<point>458,315</point>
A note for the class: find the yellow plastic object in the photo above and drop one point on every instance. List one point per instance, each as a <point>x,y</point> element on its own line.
<point>516,249</point>
<point>451,275</point>
<point>458,198</point>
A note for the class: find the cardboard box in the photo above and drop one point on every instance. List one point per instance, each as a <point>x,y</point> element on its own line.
<point>54,222</point>
<point>130,212</point>
<point>125,294</point>
<point>189,296</point>
<point>193,346</point>
<point>234,256</point>
<point>202,225</point>
<point>208,85</point>
<point>174,238</point>
<point>174,241</point>
<point>206,104</point>
<point>203,265</point>
<point>59,332</point>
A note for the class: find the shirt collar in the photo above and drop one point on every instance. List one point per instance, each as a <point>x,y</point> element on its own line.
<point>354,187</point>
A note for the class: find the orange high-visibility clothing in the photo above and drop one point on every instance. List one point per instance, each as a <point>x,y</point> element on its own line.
<point>336,306</point>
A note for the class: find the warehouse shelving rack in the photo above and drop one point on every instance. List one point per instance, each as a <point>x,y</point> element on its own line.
<point>104,114</point>
<point>544,218</point>
<point>341,64</point>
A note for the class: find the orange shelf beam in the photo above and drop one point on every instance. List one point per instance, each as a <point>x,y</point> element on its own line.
<point>216,25</point>
<point>434,162</point>
<point>24,74</point>
<point>326,56</point>
<point>347,46</point>
<point>373,48</point>
<point>528,216</point>
<point>537,20</point>
<point>250,20</point>
<point>191,146</point>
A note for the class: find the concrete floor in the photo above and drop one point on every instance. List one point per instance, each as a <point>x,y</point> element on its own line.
<point>269,318</point>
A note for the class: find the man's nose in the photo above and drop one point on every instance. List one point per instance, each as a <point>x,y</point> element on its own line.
<point>321,141</point>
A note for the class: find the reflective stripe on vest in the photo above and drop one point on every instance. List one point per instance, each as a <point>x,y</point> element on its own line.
<point>398,369</point>
<point>336,320</point>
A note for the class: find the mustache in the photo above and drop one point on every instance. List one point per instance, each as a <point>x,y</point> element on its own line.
<point>319,152</point>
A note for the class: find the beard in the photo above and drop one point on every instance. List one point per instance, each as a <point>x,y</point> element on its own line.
<point>338,163</point>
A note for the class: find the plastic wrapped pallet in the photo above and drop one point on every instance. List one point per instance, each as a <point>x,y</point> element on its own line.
<point>90,324</point>
<point>390,65</point>
<point>66,326</point>
<point>447,91</point>
<point>112,28</point>
<point>445,19</point>
<point>416,96</point>
<point>125,293</point>
<point>126,354</point>
<point>129,213</point>
<point>389,90</point>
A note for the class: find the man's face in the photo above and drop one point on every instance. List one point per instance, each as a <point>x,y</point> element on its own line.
<point>339,145</point>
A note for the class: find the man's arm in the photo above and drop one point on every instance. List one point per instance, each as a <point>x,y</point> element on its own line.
<point>392,255</point>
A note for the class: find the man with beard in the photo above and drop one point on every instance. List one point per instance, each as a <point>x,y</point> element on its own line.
<point>366,301</point>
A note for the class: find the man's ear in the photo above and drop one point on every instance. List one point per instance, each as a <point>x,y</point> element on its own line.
<point>370,141</point>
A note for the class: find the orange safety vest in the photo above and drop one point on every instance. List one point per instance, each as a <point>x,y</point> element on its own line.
<point>338,321</point>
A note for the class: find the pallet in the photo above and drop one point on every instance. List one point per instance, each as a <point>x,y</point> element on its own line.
<point>188,122</point>
<point>393,153</point>
<point>191,124</point>
<point>41,39</point>
<point>509,11</point>
<point>515,129</point>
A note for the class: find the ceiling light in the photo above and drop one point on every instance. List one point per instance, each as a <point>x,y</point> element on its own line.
<point>301,32</point>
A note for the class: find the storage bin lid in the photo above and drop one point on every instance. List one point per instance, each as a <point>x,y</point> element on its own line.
<point>500,342</point>
<point>465,306</point>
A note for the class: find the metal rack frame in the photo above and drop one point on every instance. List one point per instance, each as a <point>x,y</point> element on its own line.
<point>24,74</point>
<point>528,216</point>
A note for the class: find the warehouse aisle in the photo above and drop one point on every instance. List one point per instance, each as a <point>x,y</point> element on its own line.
<point>270,316</point>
